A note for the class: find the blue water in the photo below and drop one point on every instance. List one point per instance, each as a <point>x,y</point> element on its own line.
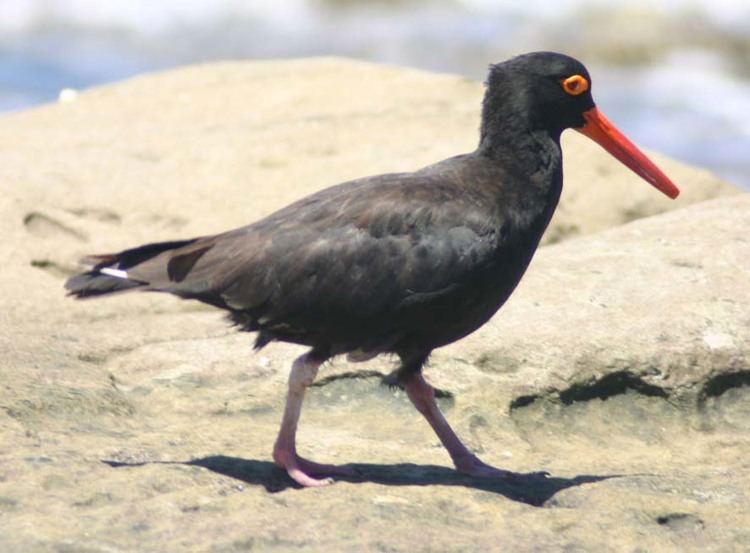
<point>673,75</point>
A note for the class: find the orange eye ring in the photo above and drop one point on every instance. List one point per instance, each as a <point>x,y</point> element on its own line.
<point>575,85</point>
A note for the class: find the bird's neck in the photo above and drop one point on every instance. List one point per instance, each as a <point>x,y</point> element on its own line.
<point>516,137</point>
<point>532,156</point>
<point>529,153</point>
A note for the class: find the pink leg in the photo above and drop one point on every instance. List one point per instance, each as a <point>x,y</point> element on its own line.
<point>304,370</point>
<point>422,396</point>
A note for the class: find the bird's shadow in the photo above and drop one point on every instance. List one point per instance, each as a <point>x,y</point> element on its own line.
<point>533,489</point>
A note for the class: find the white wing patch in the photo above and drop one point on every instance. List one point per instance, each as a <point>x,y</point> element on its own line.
<point>113,272</point>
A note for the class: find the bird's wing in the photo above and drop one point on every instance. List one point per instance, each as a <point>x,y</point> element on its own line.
<point>349,253</point>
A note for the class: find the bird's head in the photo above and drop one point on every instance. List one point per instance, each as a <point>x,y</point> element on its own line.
<point>552,92</point>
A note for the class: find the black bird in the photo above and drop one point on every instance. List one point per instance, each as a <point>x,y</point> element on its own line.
<point>398,263</point>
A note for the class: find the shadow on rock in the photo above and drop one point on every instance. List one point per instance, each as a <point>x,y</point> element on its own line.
<point>535,489</point>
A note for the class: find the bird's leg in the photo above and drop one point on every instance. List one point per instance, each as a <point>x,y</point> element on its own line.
<point>422,395</point>
<point>304,370</point>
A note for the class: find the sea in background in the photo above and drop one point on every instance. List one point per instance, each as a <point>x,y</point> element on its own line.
<point>674,75</point>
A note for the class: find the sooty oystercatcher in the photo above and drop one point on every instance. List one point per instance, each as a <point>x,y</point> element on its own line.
<point>398,263</point>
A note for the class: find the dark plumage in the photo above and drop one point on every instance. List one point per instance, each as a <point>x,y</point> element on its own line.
<point>401,263</point>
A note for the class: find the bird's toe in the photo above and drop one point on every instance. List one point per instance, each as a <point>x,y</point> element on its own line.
<point>473,466</point>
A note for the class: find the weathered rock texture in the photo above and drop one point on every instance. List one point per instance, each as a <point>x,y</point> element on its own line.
<point>142,423</point>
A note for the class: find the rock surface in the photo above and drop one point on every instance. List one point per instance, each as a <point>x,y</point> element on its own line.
<point>142,423</point>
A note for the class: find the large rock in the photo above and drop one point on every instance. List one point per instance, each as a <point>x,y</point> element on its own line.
<point>145,423</point>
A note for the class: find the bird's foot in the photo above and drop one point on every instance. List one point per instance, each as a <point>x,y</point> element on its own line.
<point>304,472</point>
<point>474,466</point>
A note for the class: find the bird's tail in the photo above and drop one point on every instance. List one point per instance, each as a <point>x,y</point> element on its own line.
<point>109,272</point>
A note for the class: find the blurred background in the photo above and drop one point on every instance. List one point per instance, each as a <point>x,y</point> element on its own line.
<point>673,74</point>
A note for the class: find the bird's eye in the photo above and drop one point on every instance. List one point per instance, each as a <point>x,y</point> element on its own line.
<point>575,85</point>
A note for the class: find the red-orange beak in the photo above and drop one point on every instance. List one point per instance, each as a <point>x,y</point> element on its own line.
<point>599,129</point>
